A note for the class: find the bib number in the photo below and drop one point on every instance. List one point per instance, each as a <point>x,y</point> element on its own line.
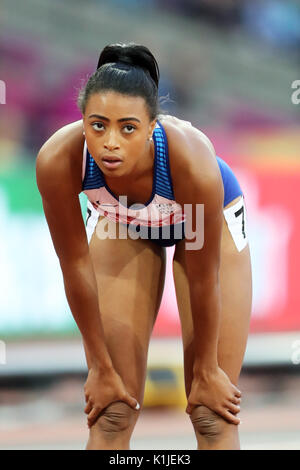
<point>236,219</point>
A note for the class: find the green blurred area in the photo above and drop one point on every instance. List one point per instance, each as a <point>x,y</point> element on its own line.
<point>20,187</point>
<point>33,303</point>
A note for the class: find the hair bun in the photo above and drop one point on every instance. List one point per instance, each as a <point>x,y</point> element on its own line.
<point>130,54</point>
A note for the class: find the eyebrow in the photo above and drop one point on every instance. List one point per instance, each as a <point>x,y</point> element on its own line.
<point>130,118</point>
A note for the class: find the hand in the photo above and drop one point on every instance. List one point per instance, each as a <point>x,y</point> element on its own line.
<point>215,391</point>
<point>101,389</point>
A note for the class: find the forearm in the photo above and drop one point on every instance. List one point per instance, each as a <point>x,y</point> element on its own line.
<point>82,295</point>
<point>206,311</point>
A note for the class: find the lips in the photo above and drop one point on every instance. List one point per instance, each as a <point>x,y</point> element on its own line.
<point>110,159</point>
<point>111,162</point>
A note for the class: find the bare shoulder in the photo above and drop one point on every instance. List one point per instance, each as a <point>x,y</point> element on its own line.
<point>189,148</point>
<point>193,165</point>
<point>60,159</point>
<point>64,140</point>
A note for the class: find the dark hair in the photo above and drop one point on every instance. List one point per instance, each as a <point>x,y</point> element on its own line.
<point>130,69</point>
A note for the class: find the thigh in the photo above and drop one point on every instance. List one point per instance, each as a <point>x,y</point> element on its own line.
<point>236,300</point>
<point>130,278</point>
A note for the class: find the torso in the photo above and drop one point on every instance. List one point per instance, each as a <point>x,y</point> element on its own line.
<point>140,192</point>
<point>65,147</point>
<point>152,194</point>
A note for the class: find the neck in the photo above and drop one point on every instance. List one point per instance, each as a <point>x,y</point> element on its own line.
<point>145,164</point>
<point>143,167</point>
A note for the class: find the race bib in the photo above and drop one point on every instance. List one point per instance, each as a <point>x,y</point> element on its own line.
<point>236,219</point>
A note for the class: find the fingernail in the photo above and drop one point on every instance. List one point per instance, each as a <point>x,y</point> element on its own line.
<point>137,406</point>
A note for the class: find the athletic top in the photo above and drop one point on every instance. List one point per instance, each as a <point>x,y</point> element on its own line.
<point>160,210</point>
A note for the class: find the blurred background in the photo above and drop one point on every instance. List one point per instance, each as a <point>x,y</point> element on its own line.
<point>231,67</point>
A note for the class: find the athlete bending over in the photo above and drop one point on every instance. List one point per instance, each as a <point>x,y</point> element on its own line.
<point>114,271</point>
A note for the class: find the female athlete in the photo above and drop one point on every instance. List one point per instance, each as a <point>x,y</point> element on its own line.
<point>152,181</point>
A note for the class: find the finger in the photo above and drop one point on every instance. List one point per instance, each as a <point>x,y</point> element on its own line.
<point>132,402</point>
<point>93,415</point>
<point>231,418</point>
<point>233,408</point>
<point>190,407</point>
<point>88,407</point>
<point>237,392</point>
<point>236,401</point>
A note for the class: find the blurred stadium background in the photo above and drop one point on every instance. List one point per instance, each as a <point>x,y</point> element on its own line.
<point>228,66</point>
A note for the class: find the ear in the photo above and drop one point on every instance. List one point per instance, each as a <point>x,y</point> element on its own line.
<point>152,127</point>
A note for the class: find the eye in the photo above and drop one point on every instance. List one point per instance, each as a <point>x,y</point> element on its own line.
<point>128,129</point>
<point>100,128</point>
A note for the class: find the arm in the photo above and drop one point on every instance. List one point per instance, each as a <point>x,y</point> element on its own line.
<point>194,162</point>
<point>202,264</point>
<point>59,181</point>
<point>59,190</point>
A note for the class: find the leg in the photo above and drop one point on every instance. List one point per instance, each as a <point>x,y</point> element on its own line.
<point>130,277</point>
<point>212,431</point>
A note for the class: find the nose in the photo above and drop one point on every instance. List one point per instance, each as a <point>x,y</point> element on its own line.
<point>111,142</point>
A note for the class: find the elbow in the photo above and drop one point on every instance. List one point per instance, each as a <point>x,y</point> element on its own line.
<point>71,263</point>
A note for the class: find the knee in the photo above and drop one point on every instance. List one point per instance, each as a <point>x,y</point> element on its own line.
<point>116,418</point>
<point>207,423</point>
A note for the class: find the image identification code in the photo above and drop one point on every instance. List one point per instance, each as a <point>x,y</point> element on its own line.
<point>159,459</point>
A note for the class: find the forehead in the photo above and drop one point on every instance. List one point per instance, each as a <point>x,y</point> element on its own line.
<point>112,104</point>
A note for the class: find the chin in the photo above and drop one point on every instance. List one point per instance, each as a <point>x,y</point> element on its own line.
<point>114,172</point>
